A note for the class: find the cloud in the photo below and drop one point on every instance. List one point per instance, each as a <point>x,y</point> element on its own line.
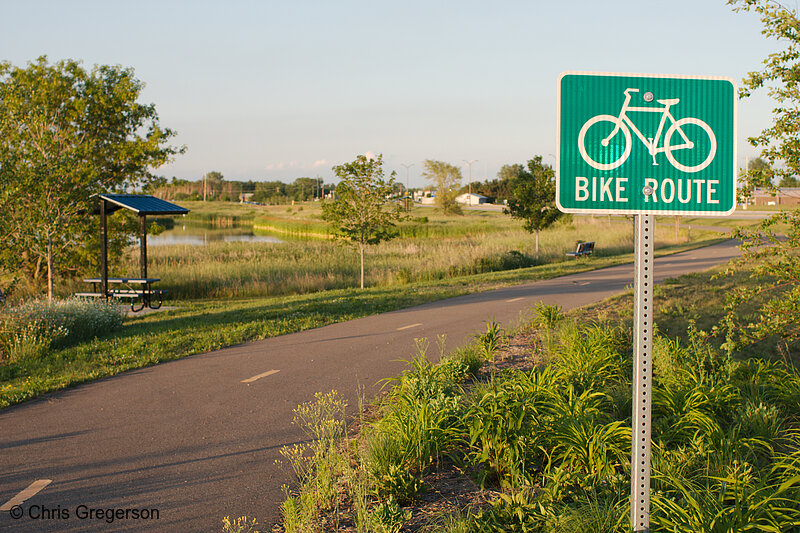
<point>369,155</point>
<point>281,165</point>
<point>320,163</point>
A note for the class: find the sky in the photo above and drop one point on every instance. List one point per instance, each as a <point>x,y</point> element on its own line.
<point>269,90</point>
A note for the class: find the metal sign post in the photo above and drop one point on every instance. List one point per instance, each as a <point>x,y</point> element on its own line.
<point>645,145</point>
<point>642,371</point>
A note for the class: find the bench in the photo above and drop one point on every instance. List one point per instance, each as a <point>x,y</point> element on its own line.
<point>584,248</point>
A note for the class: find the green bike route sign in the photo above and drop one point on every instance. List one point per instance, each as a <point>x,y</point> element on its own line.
<point>646,144</point>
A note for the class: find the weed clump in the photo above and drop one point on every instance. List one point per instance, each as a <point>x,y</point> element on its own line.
<point>37,325</point>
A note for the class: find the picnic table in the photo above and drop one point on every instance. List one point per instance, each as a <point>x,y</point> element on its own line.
<point>139,290</point>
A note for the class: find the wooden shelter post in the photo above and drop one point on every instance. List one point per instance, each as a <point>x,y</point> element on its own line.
<point>143,245</point>
<point>103,248</point>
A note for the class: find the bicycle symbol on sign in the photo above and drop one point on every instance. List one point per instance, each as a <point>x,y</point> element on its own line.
<point>624,124</point>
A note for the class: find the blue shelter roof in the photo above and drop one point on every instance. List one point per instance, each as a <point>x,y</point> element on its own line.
<point>142,204</point>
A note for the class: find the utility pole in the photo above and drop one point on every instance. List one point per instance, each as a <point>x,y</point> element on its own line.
<point>408,205</point>
<point>469,164</point>
<point>204,186</point>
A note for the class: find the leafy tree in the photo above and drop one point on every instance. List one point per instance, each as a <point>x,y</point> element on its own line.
<point>509,173</point>
<point>270,192</point>
<point>780,143</point>
<point>362,211</point>
<point>445,178</point>
<point>533,195</point>
<point>212,184</point>
<point>775,262</point>
<point>303,189</point>
<point>496,190</point>
<point>67,134</point>
<point>757,164</point>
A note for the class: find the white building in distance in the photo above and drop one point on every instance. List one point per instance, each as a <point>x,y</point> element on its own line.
<point>471,199</point>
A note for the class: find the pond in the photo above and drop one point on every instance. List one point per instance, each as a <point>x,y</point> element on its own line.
<point>200,235</point>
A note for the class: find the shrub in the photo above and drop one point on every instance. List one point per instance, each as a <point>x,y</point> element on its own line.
<point>318,464</point>
<point>738,501</point>
<point>423,422</point>
<point>669,361</point>
<point>243,524</point>
<point>760,421</point>
<point>582,441</point>
<point>505,422</point>
<point>510,260</point>
<point>594,357</point>
<point>549,315</point>
<point>490,341</point>
<point>387,517</point>
<point>38,325</point>
<point>424,417</point>
<point>467,357</point>
<point>399,485</point>
<point>606,515</point>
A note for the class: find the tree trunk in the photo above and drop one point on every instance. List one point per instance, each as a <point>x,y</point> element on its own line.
<point>537,243</point>
<point>50,268</point>
<point>37,271</point>
<point>361,249</point>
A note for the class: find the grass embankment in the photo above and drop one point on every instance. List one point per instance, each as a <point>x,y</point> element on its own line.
<point>461,447</point>
<point>200,326</point>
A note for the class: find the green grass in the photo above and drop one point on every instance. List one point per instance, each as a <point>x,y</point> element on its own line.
<point>553,444</point>
<point>420,222</point>
<point>241,269</point>
<point>695,300</point>
<point>204,211</point>
<point>201,325</point>
<point>729,222</point>
<point>230,293</point>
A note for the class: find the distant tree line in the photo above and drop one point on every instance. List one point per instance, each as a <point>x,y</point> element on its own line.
<point>217,188</point>
<point>214,187</point>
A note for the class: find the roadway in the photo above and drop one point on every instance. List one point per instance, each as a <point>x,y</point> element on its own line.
<point>197,439</point>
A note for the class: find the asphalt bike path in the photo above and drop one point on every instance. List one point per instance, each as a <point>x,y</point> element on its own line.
<point>180,445</point>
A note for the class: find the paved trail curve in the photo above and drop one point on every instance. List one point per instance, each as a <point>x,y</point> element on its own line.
<point>197,438</point>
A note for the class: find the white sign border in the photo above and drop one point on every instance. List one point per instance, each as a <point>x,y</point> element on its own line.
<point>606,211</point>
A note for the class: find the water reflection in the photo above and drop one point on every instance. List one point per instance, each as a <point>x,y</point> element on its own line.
<point>199,236</point>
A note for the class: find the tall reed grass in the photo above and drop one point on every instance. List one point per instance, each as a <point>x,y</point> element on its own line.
<point>235,269</point>
<point>420,227</point>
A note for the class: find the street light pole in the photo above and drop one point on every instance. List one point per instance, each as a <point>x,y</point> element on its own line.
<point>469,164</point>
<point>408,206</point>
